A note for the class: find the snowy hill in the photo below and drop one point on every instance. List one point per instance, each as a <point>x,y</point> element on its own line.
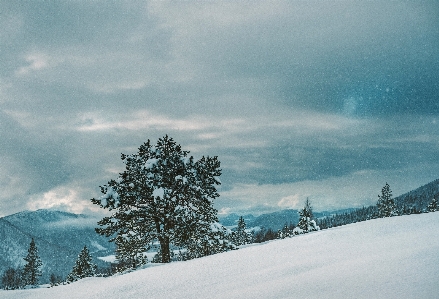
<point>383,258</point>
<point>59,237</point>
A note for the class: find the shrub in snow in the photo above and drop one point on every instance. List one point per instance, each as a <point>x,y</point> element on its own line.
<point>163,195</point>
<point>432,206</point>
<point>55,280</point>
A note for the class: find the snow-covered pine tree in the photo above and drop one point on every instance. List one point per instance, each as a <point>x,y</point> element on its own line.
<point>241,236</point>
<point>432,206</point>
<point>279,234</point>
<point>163,194</point>
<point>84,267</point>
<point>32,268</point>
<point>306,223</point>
<point>386,205</point>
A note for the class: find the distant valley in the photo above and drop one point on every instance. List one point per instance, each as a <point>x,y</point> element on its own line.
<point>59,237</point>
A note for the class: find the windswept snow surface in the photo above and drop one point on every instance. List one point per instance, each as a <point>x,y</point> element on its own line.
<point>385,258</point>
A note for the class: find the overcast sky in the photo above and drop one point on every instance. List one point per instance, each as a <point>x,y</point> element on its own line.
<point>321,99</point>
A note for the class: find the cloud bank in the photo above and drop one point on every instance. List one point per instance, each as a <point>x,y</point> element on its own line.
<point>326,100</point>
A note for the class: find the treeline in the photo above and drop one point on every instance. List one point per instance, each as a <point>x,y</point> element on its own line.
<point>305,225</point>
<point>358,215</point>
<point>422,200</point>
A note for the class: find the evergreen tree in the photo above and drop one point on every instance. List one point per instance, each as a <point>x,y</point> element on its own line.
<point>241,236</point>
<point>83,267</point>
<point>11,279</point>
<point>31,270</point>
<point>306,223</point>
<point>386,205</point>
<point>432,206</point>
<point>163,195</point>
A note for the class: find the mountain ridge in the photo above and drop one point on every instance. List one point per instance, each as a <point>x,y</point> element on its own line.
<point>59,237</point>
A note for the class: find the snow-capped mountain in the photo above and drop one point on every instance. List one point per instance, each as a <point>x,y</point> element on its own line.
<point>59,237</point>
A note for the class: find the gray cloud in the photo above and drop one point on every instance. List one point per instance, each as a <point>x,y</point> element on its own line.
<point>289,95</point>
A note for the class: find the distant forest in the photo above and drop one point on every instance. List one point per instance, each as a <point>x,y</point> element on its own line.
<point>421,200</point>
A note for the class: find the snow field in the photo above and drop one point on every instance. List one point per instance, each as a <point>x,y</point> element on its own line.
<point>388,258</point>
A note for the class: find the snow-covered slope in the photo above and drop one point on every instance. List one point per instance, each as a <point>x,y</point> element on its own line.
<point>383,258</point>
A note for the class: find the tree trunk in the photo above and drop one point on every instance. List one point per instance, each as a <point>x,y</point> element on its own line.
<point>164,242</point>
<point>164,248</point>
